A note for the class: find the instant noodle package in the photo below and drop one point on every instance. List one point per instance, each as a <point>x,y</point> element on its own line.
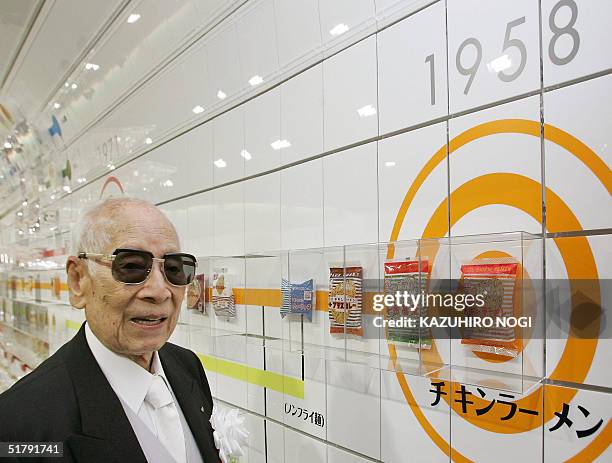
<point>223,296</point>
<point>196,294</point>
<point>410,276</point>
<point>297,298</point>
<point>496,281</point>
<point>345,300</point>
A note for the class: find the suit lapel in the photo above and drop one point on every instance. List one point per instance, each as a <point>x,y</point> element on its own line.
<point>190,398</point>
<point>106,432</point>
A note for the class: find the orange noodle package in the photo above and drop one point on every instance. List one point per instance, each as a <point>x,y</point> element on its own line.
<point>495,281</point>
<point>345,300</point>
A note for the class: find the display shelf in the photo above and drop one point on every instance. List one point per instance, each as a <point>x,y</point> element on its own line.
<point>340,304</point>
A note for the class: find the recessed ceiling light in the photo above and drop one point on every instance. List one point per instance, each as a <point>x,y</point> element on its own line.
<point>389,163</point>
<point>280,144</point>
<point>366,111</point>
<point>246,155</point>
<point>255,80</point>
<point>92,66</point>
<point>56,105</point>
<point>133,18</point>
<point>148,140</point>
<point>8,145</point>
<point>198,109</point>
<point>339,29</point>
<point>221,95</point>
<point>74,86</point>
<point>220,163</point>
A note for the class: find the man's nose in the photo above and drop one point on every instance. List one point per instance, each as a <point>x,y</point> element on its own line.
<point>156,287</point>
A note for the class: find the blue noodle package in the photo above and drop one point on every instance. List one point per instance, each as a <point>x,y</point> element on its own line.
<point>297,298</point>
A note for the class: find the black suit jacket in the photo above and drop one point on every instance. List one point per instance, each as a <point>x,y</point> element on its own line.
<point>68,399</point>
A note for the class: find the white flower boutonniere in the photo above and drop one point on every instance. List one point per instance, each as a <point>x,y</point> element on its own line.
<point>230,433</point>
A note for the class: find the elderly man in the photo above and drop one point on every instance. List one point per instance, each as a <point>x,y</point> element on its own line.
<point>118,391</point>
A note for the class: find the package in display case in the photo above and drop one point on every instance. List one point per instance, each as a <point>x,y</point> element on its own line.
<point>196,294</point>
<point>223,302</point>
<point>345,300</point>
<point>494,280</point>
<point>411,277</point>
<point>297,298</point>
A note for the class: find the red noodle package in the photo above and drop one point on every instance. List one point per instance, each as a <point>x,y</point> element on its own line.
<point>496,282</point>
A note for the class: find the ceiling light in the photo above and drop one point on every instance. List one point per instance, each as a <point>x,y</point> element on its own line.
<point>246,155</point>
<point>221,95</point>
<point>25,202</point>
<point>92,66</point>
<point>56,105</point>
<point>339,29</point>
<point>8,145</point>
<point>110,166</point>
<point>366,111</point>
<point>220,163</point>
<point>19,214</point>
<point>74,86</point>
<point>280,144</point>
<point>133,18</point>
<point>168,183</point>
<point>66,84</point>
<point>148,140</point>
<point>389,163</point>
<point>198,109</point>
<point>255,80</point>
<point>499,64</point>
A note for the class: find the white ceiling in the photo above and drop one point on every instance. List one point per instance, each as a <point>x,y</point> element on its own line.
<point>62,32</point>
<point>15,17</point>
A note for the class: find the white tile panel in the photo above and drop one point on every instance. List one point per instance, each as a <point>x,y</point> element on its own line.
<point>228,220</point>
<point>257,42</point>
<point>228,138</point>
<point>223,58</point>
<point>350,196</point>
<point>262,213</point>
<point>347,385</point>
<point>349,95</point>
<point>506,152</point>
<point>303,449</point>
<point>302,115</point>
<point>494,58</point>
<point>262,140</point>
<point>302,206</point>
<point>567,173</point>
<point>574,39</point>
<point>412,57</point>
<point>400,160</point>
<point>297,30</point>
<point>343,20</point>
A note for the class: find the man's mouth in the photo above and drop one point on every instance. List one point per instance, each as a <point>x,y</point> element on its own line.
<point>149,321</point>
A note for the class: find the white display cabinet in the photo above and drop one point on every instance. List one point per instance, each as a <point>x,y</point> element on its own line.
<point>378,307</point>
<point>501,343</point>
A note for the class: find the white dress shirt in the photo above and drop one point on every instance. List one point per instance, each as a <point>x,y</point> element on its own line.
<point>131,382</point>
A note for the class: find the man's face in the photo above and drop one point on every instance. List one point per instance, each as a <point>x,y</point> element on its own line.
<point>115,310</point>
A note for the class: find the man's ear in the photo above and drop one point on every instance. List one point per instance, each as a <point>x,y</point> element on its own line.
<point>78,281</point>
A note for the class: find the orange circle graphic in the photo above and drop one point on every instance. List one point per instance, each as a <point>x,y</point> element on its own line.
<point>502,188</point>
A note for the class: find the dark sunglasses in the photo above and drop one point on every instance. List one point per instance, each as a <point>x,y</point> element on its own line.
<point>133,266</point>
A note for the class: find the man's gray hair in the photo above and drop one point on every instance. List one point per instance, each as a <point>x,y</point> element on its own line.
<point>94,228</point>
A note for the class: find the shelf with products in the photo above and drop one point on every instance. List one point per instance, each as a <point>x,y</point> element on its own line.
<point>466,309</point>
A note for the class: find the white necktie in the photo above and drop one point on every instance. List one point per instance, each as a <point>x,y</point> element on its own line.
<point>166,417</point>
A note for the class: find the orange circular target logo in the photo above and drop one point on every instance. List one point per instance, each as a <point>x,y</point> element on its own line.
<point>524,194</point>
